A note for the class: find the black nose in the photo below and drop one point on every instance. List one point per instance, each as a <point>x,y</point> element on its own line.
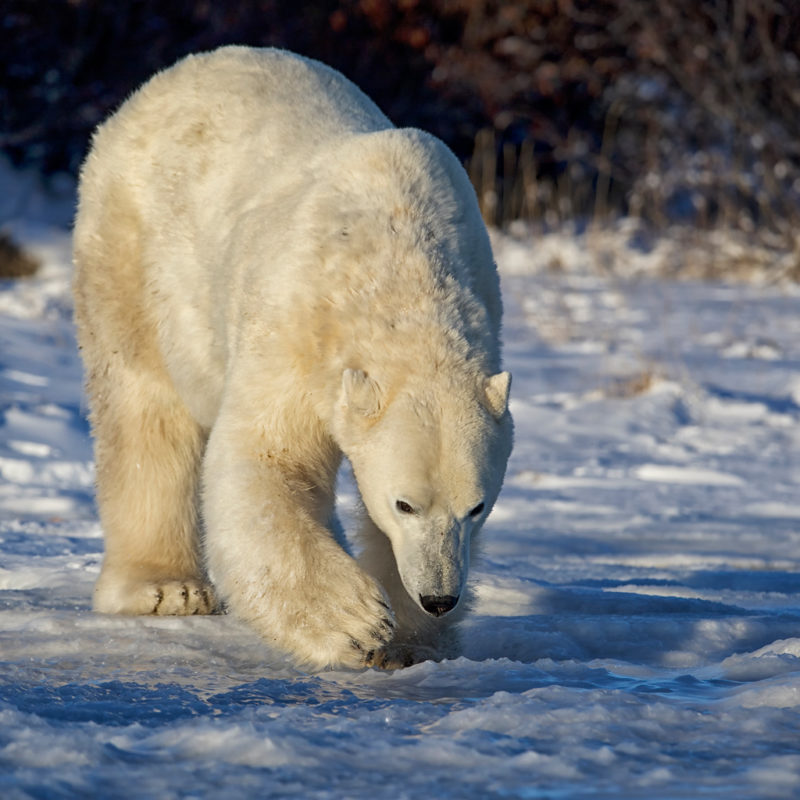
<point>438,605</point>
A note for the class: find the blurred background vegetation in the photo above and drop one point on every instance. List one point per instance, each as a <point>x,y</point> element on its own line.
<point>682,112</point>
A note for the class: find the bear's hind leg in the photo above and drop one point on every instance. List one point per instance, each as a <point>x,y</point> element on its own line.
<point>148,451</point>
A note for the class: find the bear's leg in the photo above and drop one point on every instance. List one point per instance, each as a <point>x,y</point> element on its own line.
<point>148,452</point>
<point>148,449</point>
<point>268,496</point>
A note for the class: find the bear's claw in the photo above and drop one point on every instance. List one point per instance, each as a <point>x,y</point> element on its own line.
<point>381,635</point>
<point>182,598</point>
<point>127,595</point>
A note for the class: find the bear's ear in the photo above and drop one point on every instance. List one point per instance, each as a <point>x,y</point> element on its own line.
<point>361,393</point>
<point>496,388</point>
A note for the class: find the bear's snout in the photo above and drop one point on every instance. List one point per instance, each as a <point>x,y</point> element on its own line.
<point>438,605</point>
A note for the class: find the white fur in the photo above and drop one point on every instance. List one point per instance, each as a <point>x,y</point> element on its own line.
<point>268,275</point>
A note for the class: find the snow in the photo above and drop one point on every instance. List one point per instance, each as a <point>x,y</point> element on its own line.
<point>637,627</point>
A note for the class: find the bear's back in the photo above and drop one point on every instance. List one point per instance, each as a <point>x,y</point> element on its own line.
<point>241,98</point>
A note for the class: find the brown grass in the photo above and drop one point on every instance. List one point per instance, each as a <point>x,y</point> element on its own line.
<point>14,261</point>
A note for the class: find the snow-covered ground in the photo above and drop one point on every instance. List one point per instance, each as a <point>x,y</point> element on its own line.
<point>638,627</point>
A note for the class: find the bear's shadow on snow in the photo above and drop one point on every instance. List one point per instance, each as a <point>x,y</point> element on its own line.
<point>587,622</point>
<point>109,703</point>
<point>460,682</point>
<point>121,703</point>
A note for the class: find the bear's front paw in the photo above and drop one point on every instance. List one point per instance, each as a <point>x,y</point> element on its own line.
<point>340,623</point>
<point>134,595</point>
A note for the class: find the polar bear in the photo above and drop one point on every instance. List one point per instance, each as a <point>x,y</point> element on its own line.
<point>269,276</point>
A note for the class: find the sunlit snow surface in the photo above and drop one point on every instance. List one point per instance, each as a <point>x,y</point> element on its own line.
<point>637,632</point>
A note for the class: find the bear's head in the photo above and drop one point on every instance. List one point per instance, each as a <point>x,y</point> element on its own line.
<point>429,458</point>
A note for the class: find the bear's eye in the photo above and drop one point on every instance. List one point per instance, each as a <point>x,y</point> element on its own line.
<point>477,511</point>
<point>404,508</point>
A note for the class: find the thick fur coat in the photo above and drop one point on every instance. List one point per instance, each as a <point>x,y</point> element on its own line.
<point>269,275</point>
